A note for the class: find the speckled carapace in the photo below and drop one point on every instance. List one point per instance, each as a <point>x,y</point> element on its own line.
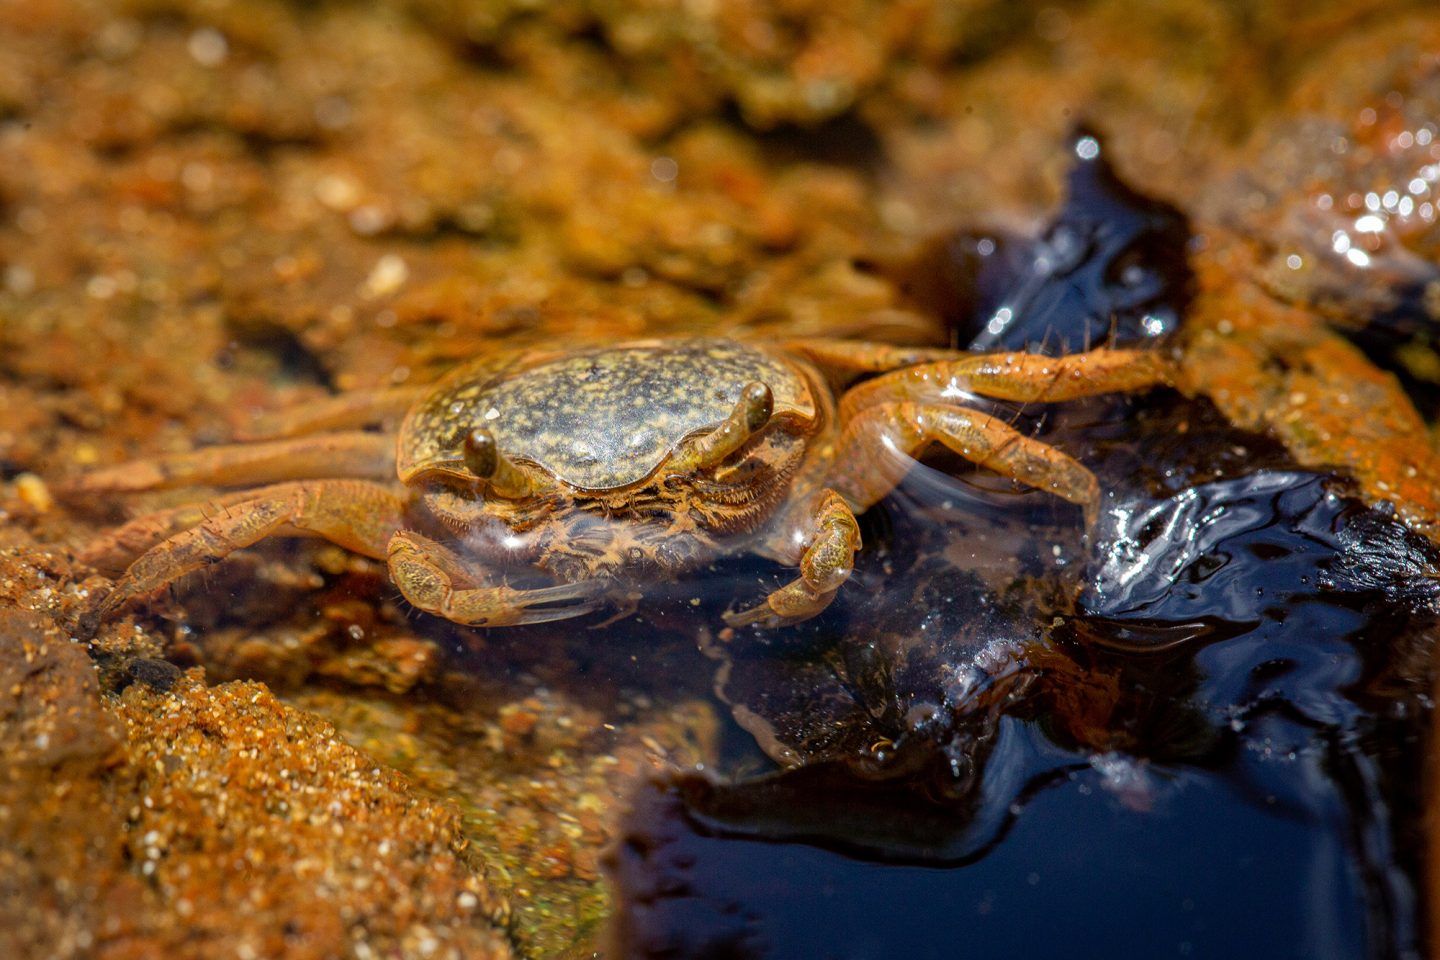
<point>534,486</point>
<point>600,419</point>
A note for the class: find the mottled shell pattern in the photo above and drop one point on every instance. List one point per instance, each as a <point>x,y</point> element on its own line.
<point>599,419</point>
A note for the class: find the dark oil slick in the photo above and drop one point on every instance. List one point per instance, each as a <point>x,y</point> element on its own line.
<point>1198,735</point>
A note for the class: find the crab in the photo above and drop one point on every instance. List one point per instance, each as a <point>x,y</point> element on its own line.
<point>597,472</point>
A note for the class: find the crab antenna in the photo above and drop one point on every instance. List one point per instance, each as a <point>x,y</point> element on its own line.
<point>484,459</point>
<point>752,411</point>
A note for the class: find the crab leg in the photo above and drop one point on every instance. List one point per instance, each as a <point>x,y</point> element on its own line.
<point>116,549</point>
<point>1021,377</point>
<point>826,564</point>
<point>874,452</point>
<point>359,455</point>
<point>355,514</point>
<point>346,412</point>
<point>863,356</point>
<point>428,573</point>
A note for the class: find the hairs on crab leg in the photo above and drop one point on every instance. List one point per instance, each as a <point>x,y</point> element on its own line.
<point>1017,377</point>
<point>863,356</point>
<point>115,549</point>
<point>892,418</point>
<point>347,411</point>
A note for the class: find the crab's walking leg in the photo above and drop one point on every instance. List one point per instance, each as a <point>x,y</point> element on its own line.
<point>1021,377</point>
<point>358,515</point>
<point>432,578</point>
<point>863,356</point>
<point>358,455</point>
<point>116,549</point>
<point>345,412</point>
<point>875,451</point>
<point>826,564</point>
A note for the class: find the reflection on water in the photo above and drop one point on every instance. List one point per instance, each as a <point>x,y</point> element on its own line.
<point>1209,870</point>
<point>1213,731</point>
<point>1196,733</point>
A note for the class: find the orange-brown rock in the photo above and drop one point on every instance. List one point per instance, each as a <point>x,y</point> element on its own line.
<point>212,822</point>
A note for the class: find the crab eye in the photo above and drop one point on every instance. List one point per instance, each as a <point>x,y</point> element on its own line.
<point>749,415</point>
<point>484,458</point>
<point>757,403</point>
<point>481,452</point>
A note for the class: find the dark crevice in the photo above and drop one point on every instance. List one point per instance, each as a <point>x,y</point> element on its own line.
<point>845,140</point>
<point>260,144</point>
<point>1407,326</point>
<point>296,362</point>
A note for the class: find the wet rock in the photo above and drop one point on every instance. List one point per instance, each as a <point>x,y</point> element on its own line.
<point>1276,368</point>
<point>1338,200</point>
<point>60,833</point>
<point>134,826</point>
<point>236,798</point>
<point>1189,560</point>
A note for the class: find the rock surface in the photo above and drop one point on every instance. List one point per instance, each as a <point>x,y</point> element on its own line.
<point>213,822</point>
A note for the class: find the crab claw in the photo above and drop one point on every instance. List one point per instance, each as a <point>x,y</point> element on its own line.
<point>434,579</point>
